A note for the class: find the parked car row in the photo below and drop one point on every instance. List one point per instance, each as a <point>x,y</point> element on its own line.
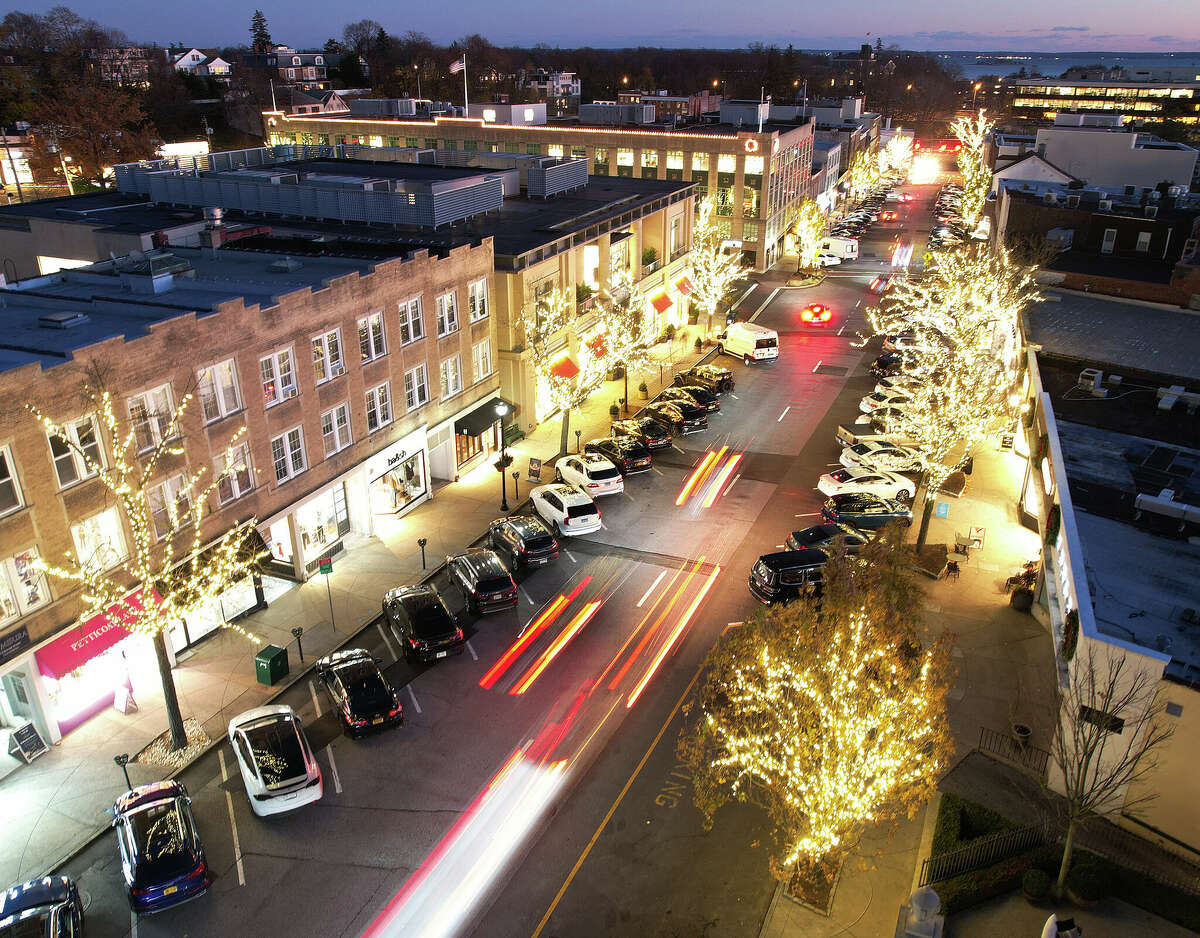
<point>867,211</point>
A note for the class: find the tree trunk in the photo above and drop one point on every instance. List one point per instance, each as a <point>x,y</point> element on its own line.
<point>926,514</point>
<point>625,373</point>
<point>566,431</point>
<point>170,698</point>
<point>1068,848</point>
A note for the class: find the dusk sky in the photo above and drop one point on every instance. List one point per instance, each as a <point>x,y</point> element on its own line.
<point>1022,25</point>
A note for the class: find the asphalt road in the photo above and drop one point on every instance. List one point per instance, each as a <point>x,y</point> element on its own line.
<point>533,788</point>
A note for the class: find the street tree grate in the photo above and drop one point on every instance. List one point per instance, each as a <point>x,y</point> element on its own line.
<point>831,370</point>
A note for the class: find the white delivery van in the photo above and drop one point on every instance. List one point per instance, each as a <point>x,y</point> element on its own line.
<point>749,341</point>
<point>845,248</point>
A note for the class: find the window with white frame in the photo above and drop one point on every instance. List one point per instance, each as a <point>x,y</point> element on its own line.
<point>287,452</point>
<point>100,540</point>
<point>447,314</point>
<point>416,388</point>
<point>477,300</point>
<point>379,407</point>
<point>370,337</point>
<point>411,326</point>
<point>76,454</point>
<point>151,414</point>
<point>235,475</point>
<point>335,429</point>
<point>481,354</point>
<point>22,586</point>
<point>278,376</point>
<point>451,376</point>
<point>218,387</point>
<point>327,355</point>
<point>170,505</point>
<point>10,491</point>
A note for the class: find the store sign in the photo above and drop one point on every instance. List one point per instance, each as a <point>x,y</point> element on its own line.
<point>13,643</point>
<point>26,742</point>
<point>391,457</point>
<point>85,641</point>
<point>535,469</point>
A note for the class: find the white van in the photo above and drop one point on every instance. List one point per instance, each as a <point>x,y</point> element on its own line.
<point>845,248</point>
<point>750,341</point>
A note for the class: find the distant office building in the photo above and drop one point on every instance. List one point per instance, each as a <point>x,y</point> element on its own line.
<point>673,107</point>
<point>1136,98</point>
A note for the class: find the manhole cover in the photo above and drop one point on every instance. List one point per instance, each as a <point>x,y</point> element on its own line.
<point>831,370</point>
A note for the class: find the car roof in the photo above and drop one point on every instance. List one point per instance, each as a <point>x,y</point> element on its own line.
<point>568,493</point>
<point>525,525</point>
<point>408,594</point>
<point>49,890</point>
<point>594,459</point>
<point>789,559</point>
<point>481,561</point>
<point>257,714</point>
<point>855,499</point>
<point>346,656</point>
<point>145,795</point>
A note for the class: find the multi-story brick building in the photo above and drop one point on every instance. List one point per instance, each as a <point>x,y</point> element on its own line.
<point>562,91</point>
<point>288,67</point>
<point>667,106</point>
<point>357,381</point>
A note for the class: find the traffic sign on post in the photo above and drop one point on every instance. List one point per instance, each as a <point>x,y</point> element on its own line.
<point>326,564</point>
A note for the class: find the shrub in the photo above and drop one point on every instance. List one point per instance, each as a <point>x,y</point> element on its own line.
<point>614,411</point>
<point>643,387</point>
<point>698,344</point>
<point>961,821</point>
<point>649,256</point>
<point>1035,883</point>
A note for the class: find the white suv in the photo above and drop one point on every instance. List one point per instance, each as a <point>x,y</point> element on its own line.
<point>278,766</point>
<point>566,508</point>
<point>591,472</point>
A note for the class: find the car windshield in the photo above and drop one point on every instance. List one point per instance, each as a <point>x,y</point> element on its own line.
<point>581,511</point>
<point>860,449</point>
<point>495,584</point>
<point>161,843</point>
<point>278,752</point>
<point>603,473</point>
<point>766,343</point>
<point>365,688</point>
<point>36,925</point>
<point>842,475</point>
<point>541,542</point>
<point>430,620</point>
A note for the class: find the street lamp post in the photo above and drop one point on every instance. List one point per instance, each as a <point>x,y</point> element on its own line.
<point>501,411</point>
<point>974,92</point>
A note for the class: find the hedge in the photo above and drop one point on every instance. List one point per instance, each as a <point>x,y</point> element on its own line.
<point>960,822</point>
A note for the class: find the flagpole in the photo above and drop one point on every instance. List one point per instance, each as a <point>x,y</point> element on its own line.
<point>466,106</point>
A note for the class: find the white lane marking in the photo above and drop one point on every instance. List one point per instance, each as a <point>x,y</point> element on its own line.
<point>842,329</point>
<point>781,546</point>
<point>734,396</point>
<point>528,598</point>
<point>675,447</point>
<point>858,304</point>
<point>765,304</point>
<point>337,781</point>
<point>387,643</point>
<point>316,703</point>
<point>729,487</point>
<point>474,657</point>
<point>817,365</point>
<point>603,525</point>
<point>655,469</point>
<point>779,419</point>
<point>132,924</point>
<point>646,595</point>
<point>627,495</point>
<point>237,847</point>
<point>750,289</point>
<point>416,706</point>
<point>570,556</point>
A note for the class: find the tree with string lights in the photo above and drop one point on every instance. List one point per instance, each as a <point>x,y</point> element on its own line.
<point>164,565</point>
<point>973,133</point>
<point>627,329</point>
<point>863,173</point>
<point>713,269</point>
<point>809,228</point>
<point>831,716</point>
<point>897,155</point>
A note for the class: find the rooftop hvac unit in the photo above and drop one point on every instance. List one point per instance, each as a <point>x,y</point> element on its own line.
<point>1151,211</point>
<point>1072,201</point>
<point>1154,195</point>
<point>1105,205</point>
<point>1050,198</point>
<point>1089,380</point>
<point>1173,192</point>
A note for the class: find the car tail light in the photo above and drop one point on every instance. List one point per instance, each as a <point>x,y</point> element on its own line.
<point>458,634</point>
<point>198,871</point>
<point>593,485</point>
<point>358,722</point>
<point>566,519</point>
<point>134,891</point>
<point>395,711</point>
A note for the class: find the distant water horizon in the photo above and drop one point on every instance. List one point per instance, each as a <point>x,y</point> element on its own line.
<point>977,63</point>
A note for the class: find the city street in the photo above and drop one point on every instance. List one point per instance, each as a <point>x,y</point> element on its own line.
<point>534,778</point>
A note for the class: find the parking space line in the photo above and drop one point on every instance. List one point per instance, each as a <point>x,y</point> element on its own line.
<point>817,365</point>
<point>570,556</point>
<point>337,781</point>
<point>729,487</point>
<point>809,514</point>
<point>779,419</point>
<point>528,598</point>
<point>656,469</point>
<point>646,595</point>
<point>416,706</point>
<point>734,396</point>
<point>316,703</point>
<point>842,329</point>
<point>132,924</point>
<point>603,525</point>
<point>781,546</point>
<point>237,846</point>
<point>471,649</point>
<point>387,643</point>
<point>675,446</point>
<point>627,495</point>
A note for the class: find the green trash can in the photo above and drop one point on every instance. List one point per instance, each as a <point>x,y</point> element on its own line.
<point>271,665</point>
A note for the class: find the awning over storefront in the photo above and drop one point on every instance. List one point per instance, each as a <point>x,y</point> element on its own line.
<point>83,642</point>
<point>598,346</point>
<point>480,418</point>
<point>662,302</point>
<point>683,285</point>
<point>564,368</point>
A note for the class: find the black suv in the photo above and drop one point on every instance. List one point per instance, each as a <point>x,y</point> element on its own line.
<point>788,574</point>
<point>713,377</point>
<point>629,455</point>
<point>692,394</point>
<point>365,701</point>
<point>422,624</point>
<point>47,906</point>
<point>823,535</point>
<point>650,432</point>
<point>524,540</point>
<point>682,417</point>
<point>483,579</point>
<point>866,511</point>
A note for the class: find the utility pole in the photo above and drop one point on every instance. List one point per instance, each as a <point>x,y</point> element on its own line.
<point>13,164</point>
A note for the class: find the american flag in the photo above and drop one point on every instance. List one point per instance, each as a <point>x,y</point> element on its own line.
<point>458,65</point>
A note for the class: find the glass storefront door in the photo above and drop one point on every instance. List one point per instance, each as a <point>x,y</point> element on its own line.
<point>323,522</point>
<point>400,486</point>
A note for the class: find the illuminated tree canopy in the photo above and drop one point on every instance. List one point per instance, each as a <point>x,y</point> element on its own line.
<point>712,270</point>
<point>809,228</point>
<point>973,133</point>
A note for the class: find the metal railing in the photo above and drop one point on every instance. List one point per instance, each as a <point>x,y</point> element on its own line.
<point>648,269</point>
<point>1026,756</point>
<point>981,853</point>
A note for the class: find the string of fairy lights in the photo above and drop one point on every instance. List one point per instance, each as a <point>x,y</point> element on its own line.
<point>973,133</point>
<point>712,269</point>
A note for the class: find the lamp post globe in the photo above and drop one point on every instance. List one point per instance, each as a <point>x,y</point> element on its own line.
<point>502,410</point>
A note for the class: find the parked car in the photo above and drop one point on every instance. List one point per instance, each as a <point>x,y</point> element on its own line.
<point>871,431</point>
<point>567,509</point>
<point>878,454</point>
<point>816,314</point>
<point>422,623</point>
<point>49,907</point>
<point>524,540</point>
<point>704,375</point>
<point>682,418</point>
<point>646,430</point>
<point>823,535</point>
<point>593,473</point>
<point>786,575</point>
<point>364,700</point>
<point>872,481</point>
<point>695,396</point>
<point>162,860</point>
<point>629,455</point>
<point>882,401</point>
<point>866,511</point>
<point>483,579</point>
<point>825,259</point>
<point>278,767</point>
<point>898,384</point>
<point>899,341</point>
<point>888,364</point>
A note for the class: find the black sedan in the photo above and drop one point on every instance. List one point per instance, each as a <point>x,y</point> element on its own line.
<point>362,696</point>
<point>50,906</point>
<point>866,511</point>
<point>626,453</point>
<point>689,394</point>
<point>652,433</point>
<point>823,535</point>
<point>682,417</point>
<point>524,540</point>
<point>422,624</point>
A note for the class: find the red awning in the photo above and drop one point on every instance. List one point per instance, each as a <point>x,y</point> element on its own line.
<point>598,346</point>
<point>661,302</point>
<point>85,641</point>
<point>683,285</point>
<point>564,368</point>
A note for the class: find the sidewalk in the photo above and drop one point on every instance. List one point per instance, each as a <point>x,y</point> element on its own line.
<point>51,808</point>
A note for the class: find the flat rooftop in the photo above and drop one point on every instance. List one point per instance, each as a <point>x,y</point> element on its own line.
<point>111,210</point>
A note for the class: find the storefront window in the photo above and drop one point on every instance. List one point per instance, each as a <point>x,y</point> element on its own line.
<point>22,586</point>
<point>279,540</point>
<point>323,521</point>
<point>99,540</point>
<point>400,486</point>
